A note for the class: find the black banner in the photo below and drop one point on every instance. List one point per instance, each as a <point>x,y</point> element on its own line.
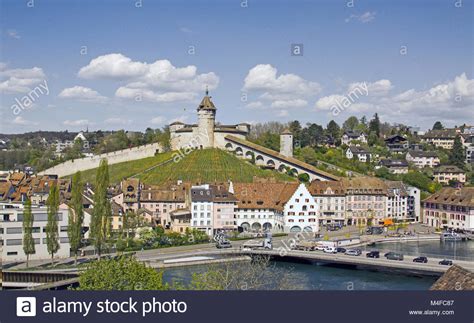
<point>236,306</point>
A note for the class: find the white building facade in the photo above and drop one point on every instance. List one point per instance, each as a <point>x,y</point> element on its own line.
<point>301,212</point>
<point>11,233</point>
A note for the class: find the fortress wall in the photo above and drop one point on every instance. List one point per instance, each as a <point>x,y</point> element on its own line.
<point>71,166</point>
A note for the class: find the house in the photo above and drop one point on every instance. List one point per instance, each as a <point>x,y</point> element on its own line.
<point>349,136</point>
<point>331,200</point>
<point>260,206</point>
<point>180,220</point>
<point>440,138</point>
<point>396,143</point>
<point>213,209</point>
<point>359,153</point>
<point>403,202</point>
<point>365,200</point>
<point>423,159</point>
<point>301,212</point>
<point>450,208</point>
<point>446,173</point>
<point>415,147</point>
<point>394,166</point>
<point>468,143</point>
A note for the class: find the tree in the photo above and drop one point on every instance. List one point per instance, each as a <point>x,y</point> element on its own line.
<point>457,153</point>
<point>124,273</point>
<point>351,123</point>
<point>333,129</point>
<point>76,215</point>
<point>28,241</point>
<point>102,212</point>
<point>374,125</point>
<point>52,234</point>
<point>438,126</point>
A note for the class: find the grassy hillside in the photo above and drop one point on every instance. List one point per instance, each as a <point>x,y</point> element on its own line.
<point>207,165</point>
<point>120,171</point>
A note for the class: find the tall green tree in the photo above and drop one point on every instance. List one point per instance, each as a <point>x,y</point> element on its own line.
<point>351,123</point>
<point>374,125</point>
<point>52,234</point>
<point>438,126</point>
<point>102,212</point>
<point>76,215</point>
<point>28,241</point>
<point>333,130</point>
<point>457,153</point>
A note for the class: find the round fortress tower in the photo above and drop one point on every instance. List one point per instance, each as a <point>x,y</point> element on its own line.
<point>206,122</point>
<point>286,143</point>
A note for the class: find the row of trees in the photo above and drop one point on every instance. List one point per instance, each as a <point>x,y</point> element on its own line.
<point>99,224</point>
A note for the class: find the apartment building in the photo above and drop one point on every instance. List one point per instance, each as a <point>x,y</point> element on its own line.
<point>331,200</point>
<point>403,202</point>
<point>446,173</point>
<point>423,159</point>
<point>11,232</point>
<point>213,208</point>
<point>441,138</point>
<point>450,208</point>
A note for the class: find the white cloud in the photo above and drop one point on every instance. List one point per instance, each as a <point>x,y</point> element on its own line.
<point>82,93</point>
<point>297,103</point>
<point>12,33</point>
<point>159,81</point>
<point>284,90</point>
<point>117,121</point>
<point>76,123</point>
<point>451,101</point>
<point>20,80</point>
<point>158,120</point>
<point>380,87</point>
<point>283,113</point>
<point>363,18</point>
<point>23,122</point>
<point>254,105</point>
<point>185,30</point>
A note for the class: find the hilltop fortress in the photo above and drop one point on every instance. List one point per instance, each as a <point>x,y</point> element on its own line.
<point>205,134</point>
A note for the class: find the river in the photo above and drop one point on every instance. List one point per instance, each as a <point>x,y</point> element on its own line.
<point>314,276</point>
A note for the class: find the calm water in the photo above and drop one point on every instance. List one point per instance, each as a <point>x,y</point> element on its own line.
<point>461,250</point>
<point>320,277</point>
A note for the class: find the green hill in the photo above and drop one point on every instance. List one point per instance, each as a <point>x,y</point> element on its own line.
<point>208,165</point>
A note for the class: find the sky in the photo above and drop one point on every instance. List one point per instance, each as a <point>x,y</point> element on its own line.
<point>133,64</point>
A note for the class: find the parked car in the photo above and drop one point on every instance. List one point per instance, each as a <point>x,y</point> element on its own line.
<point>353,252</point>
<point>223,244</point>
<point>330,250</point>
<point>446,262</point>
<point>320,247</point>
<point>373,254</point>
<point>340,249</point>
<point>423,260</point>
<point>395,256</point>
<point>389,253</point>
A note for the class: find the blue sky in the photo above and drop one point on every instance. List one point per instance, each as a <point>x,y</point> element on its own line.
<point>134,64</point>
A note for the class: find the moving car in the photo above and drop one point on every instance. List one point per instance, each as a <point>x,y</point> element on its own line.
<point>446,262</point>
<point>353,252</point>
<point>373,254</point>
<point>223,244</point>
<point>340,249</point>
<point>423,260</point>
<point>394,256</point>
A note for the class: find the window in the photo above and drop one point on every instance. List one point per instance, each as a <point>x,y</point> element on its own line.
<point>14,230</point>
<point>14,242</point>
<point>12,253</point>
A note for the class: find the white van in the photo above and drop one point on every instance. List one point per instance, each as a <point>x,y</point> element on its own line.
<point>329,249</point>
